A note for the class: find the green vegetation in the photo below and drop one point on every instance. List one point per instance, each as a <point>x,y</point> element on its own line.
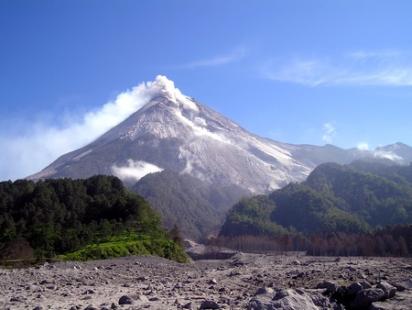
<point>129,244</point>
<point>91,218</point>
<point>355,198</point>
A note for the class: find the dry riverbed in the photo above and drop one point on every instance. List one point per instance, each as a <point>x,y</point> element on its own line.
<point>245,281</point>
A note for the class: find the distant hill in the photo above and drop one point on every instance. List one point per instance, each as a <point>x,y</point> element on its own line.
<point>346,198</point>
<point>195,206</point>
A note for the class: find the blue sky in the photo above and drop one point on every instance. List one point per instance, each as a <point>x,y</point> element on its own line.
<point>296,71</point>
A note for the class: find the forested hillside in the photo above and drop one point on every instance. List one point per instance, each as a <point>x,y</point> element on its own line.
<point>354,198</point>
<point>46,218</point>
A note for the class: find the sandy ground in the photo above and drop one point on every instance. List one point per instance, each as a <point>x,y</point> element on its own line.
<point>155,283</point>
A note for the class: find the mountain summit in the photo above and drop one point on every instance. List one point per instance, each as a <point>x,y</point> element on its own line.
<point>174,132</point>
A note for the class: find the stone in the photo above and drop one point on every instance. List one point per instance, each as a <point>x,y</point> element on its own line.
<point>330,287</point>
<point>292,300</point>
<point>365,284</point>
<point>264,291</point>
<point>354,289</point>
<point>403,285</point>
<point>389,289</point>
<point>142,298</point>
<point>366,297</point>
<point>189,305</point>
<point>401,301</point>
<point>125,300</point>
<point>209,304</point>
<point>16,299</point>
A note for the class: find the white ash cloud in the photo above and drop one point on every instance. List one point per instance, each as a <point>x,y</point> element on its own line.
<point>41,143</point>
<point>135,170</point>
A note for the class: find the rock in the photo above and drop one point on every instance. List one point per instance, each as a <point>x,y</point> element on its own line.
<point>16,299</point>
<point>354,289</point>
<point>189,305</point>
<point>404,285</point>
<point>365,284</point>
<point>389,290</point>
<point>330,287</point>
<point>213,282</point>
<point>265,291</point>
<point>292,300</point>
<point>125,300</point>
<point>142,298</point>
<point>38,308</point>
<point>366,297</point>
<point>154,298</point>
<point>401,301</point>
<point>209,304</point>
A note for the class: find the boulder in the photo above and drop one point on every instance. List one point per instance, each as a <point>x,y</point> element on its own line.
<point>366,297</point>
<point>291,299</point>
<point>125,300</point>
<point>401,301</point>
<point>354,289</point>
<point>209,304</point>
<point>404,285</point>
<point>389,290</point>
<point>330,287</point>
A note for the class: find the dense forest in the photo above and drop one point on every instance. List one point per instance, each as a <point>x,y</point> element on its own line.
<point>53,217</point>
<point>356,198</point>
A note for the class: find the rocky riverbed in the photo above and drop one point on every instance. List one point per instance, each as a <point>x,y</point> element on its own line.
<point>245,281</point>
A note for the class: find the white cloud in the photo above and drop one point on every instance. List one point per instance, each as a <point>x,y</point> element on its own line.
<point>363,146</point>
<point>359,68</point>
<point>329,132</point>
<point>378,153</point>
<point>387,155</point>
<point>26,154</point>
<point>135,170</point>
<point>219,60</point>
<point>377,54</point>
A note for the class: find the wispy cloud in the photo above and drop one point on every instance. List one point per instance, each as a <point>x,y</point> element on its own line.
<point>42,143</point>
<point>380,54</point>
<point>217,60</point>
<point>378,152</point>
<point>358,68</point>
<point>329,132</point>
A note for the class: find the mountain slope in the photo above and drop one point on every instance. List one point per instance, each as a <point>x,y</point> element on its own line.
<point>204,206</point>
<point>349,198</point>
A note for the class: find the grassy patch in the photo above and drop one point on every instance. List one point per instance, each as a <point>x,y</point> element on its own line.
<point>126,245</point>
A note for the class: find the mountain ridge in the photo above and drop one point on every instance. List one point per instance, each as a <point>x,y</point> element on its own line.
<point>174,132</point>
